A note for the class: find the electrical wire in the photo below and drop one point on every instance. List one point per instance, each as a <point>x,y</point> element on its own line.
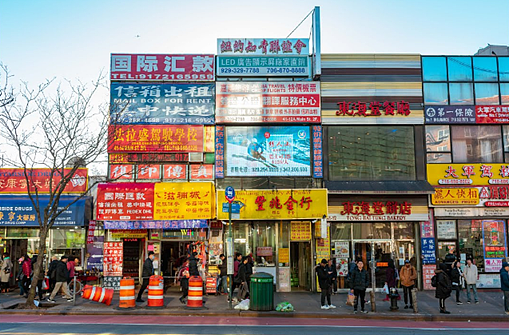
<point>312,11</point>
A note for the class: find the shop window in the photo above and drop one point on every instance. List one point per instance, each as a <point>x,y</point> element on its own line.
<point>503,68</point>
<point>240,237</point>
<point>340,231</point>
<point>371,153</point>
<point>439,158</point>
<point>435,94</point>
<point>470,241</point>
<point>68,238</point>
<point>433,69</point>
<point>504,94</point>
<point>486,94</point>
<point>461,94</point>
<point>476,144</point>
<point>403,231</point>
<point>485,69</point>
<point>263,242</point>
<point>460,68</point>
<point>438,144</point>
<point>378,231</point>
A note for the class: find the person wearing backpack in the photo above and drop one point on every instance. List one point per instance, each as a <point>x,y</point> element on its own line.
<point>6,272</point>
<point>442,283</point>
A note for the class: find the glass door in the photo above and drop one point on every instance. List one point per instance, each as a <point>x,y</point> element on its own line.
<point>375,255</point>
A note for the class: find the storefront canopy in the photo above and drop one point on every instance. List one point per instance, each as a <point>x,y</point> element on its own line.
<point>379,187</point>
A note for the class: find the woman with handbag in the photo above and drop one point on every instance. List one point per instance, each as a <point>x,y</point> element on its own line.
<point>6,273</point>
<point>390,278</point>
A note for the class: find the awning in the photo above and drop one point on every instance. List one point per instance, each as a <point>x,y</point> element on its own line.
<point>379,187</point>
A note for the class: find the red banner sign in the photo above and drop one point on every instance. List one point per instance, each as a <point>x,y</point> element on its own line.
<point>202,171</point>
<point>125,201</point>
<point>113,258</point>
<point>155,138</point>
<point>14,181</point>
<point>162,67</point>
<point>492,114</point>
<point>91,230</point>
<point>121,172</point>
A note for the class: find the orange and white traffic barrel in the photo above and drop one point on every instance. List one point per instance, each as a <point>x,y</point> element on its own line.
<point>195,296</point>
<point>127,293</point>
<point>98,294</point>
<point>156,291</point>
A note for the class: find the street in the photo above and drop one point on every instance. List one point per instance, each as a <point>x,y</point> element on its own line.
<point>74,325</point>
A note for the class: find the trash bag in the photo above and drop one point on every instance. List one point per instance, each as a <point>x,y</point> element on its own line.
<point>243,305</point>
<point>284,307</point>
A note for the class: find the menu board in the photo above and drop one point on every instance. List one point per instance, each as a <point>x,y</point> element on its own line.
<point>342,252</point>
<point>446,229</point>
<point>493,232</point>
<point>113,258</point>
<point>300,231</point>
<point>428,271</point>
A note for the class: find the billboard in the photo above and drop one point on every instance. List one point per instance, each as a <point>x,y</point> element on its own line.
<point>184,201</point>
<point>262,46</point>
<point>125,201</point>
<point>253,66</point>
<point>18,211</point>
<point>162,103</point>
<point>261,102</point>
<point>13,180</point>
<point>147,67</point>
<point>449,114</point>
<point>268,151</point>
<point>155,138</point>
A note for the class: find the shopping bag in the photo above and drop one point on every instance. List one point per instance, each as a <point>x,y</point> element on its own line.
<point>350,299</point>
<point>386,289</point>
<point>45,283</point>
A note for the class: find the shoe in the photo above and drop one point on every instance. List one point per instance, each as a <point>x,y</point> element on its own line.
<point>477,302</point>
<point>364,312</point>
<point>182,301</point>
<point>332,306</point>
<point>325,307</point>
<point>51,300</point>
<point>139,300</point>
<point>406,306</point>
<point>459,303</point>
<point>468,302</point>
<point>445,312</point>
<point>70,300</point>
<point>411,307</point>
<point>355,312</point>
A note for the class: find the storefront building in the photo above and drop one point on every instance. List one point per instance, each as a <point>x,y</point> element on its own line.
<point>466,114</point>
<point>373,138</point>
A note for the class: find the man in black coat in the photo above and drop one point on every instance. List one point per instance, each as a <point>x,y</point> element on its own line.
<point>358,284</point>
<point>148,270</point>
<point>52,272</point>
<point>223,274</point>
<point>443,286</point>
<point>61,276</point>
<point>325,283</point>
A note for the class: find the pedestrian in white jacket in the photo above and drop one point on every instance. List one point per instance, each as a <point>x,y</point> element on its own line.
<point>471,276</point>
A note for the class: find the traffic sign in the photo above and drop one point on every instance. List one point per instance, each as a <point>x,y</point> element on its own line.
<point>235,207</point>
<point>229,194</point>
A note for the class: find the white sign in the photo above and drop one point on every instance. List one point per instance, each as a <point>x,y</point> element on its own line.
<point>489,281</point>
<point>229,253</point>
<point>472,212</point>
<point>262,46</point>
<point>372,218</point>
<point>446,229</point>
<point>492,264</point>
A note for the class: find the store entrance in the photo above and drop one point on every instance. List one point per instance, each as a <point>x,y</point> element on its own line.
<point>173,255</point>
<point>300,263</point>
<point>133,257</point>
<point>374,254</point>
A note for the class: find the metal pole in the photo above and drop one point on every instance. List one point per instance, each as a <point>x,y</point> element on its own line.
<point>74,292</point>
<point>230,240</point>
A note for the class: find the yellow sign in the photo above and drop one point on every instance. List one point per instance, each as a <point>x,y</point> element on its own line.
<point>129,233</point>
<point>300,231</point>
<point>284,255</point>
<point>455,196</point>
<point>468,174</point>
<point>184,201</point>
<point>277,204</point>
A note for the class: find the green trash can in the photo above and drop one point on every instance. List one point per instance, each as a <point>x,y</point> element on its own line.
<point>261,292</point>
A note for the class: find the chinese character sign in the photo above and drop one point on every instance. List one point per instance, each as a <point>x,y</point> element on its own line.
<point>492,114</point>
<point>455,196</point>
<point>184,201</point>
<point>14,181</point>
<point>495,244</point>
<point>262,46</point>
<point>278,204</point>
<point>261,102</point>
<point>428,250</point>
<point>449,114</point>
<point>373,108</point>
<point>268,151</point>
<point>155,103</point>
<point>317,152</point>
<point>113,258</point>
<point>468,174</point>
<point>201,171</point>
<point>219,152</point>
<point>300,231</point>
<point>258,66</point>
<point>125,201</point>
<point>151,138</point>
<point>142,67</point>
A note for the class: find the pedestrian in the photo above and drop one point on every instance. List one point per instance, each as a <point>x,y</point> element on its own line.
<point>471,276</point>
<point>21,276</point>
<point>236,266</point>
<point>504,280</point>
<point>27,272</point>
<point>331,269</point>
<point>71,266</point>
<point>244,279</point>
<point>325,283</point>
<point>457,278</point>
<point>6,272</point>
<point>390,277</point>
<point>62,275</point>
<point>449,260</point>
<point>148,270</point>
<point>52,271</point>
<point>358,284</point>
<point>183,278</point>
<point>223,270</point>
<point>408,275</point>
<point>442,283</point>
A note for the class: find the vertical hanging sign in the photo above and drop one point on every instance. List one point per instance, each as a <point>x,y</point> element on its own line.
<point>317,152</point>
<point>219,152</point>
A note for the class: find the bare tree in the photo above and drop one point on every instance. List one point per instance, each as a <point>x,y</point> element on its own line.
<point>6,91</point>
<point>61,130</point>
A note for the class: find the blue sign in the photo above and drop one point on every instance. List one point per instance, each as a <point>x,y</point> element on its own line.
<point>449,114</point>
<point>428,250</point>
<point>317,152</point>
<point>159,224</point>
<point>162,103</point>
<point>235,207</point>
<point>229,194</point>
<point>18,211</point>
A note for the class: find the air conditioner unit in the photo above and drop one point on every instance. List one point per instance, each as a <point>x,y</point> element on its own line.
<point>196,157</point>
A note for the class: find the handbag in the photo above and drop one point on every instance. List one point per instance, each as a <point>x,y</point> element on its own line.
<point>386,289</point>
<point>350,299</point>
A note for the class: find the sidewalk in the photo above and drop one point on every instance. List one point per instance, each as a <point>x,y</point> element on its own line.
<point>307,305</point>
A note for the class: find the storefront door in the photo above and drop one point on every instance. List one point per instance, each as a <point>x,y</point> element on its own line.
<point>300,262</point>
<point>375,255</point>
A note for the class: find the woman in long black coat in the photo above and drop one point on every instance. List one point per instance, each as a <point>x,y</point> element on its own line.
<point>443,287</point>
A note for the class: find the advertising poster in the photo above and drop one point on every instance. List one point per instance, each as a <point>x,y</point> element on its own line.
<point>113,258</point>
<point>14,180</point>
<point>19,211</point>
<point>262,46</point>
<point>162,103</point>
<point>428,250</point>
<point>95,253</point>
<point>272,66</point>
<point>300,231</point>
<point>494,242</point>
<point>151,138</point>
<point>428,271</point>
<point>317,152</point>
<point>260,102</point>
<point>184,201</point>
<point>219,152</point>
<point>268,151</point>
<point>162,67</point>
<point>446,229</point>
<point>125,201</point>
